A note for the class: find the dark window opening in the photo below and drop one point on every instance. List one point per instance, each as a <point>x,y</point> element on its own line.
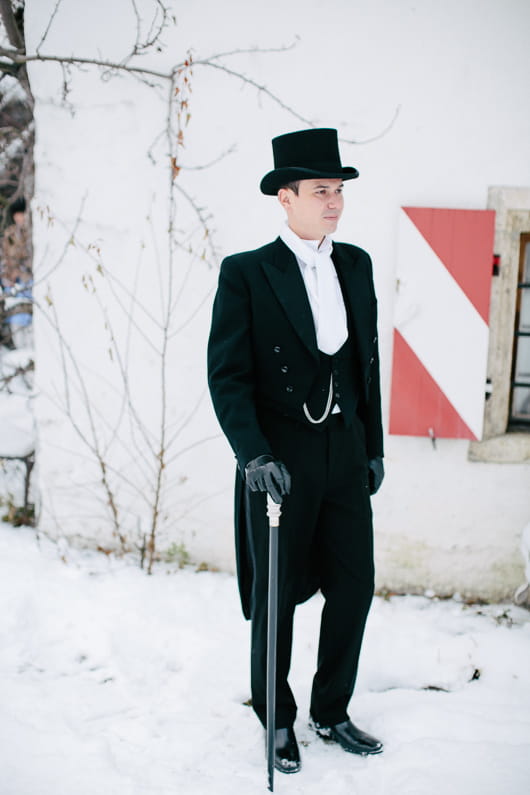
<point>520,382</point>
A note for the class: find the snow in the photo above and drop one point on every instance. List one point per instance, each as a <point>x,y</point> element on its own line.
<point>18,435</point>
<point>522,593</point>
<point>116,683</point>
<point>17,439</point>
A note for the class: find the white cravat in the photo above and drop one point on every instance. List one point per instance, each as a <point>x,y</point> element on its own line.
<point>323,288</point>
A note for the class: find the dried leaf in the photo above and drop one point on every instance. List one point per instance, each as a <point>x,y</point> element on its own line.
<point>175,170</point>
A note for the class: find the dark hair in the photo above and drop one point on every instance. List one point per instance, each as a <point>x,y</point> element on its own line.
<point>292,186</point>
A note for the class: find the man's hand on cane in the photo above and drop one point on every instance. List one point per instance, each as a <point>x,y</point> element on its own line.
<point>265,473</point>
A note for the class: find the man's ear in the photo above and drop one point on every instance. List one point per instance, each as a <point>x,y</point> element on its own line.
<point>284,197</point>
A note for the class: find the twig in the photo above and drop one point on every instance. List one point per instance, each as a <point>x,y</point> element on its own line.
<point>193,313</point>
<point>155,29</point>
<point>94,444</point>
<point>191,446</point>
<point>187,419</point>
<point>375,137</point>
<point>260,87</point>
<point>71,239</point>
<point>211,163</point>
<point>199,211</point>
<point>254,50</point>
<point>48,26</point>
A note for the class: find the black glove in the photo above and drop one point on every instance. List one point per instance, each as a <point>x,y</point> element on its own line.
<point>376,473</point>
<point>265,474</point>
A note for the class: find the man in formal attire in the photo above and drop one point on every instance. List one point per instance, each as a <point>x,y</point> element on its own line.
<point>293,371</point>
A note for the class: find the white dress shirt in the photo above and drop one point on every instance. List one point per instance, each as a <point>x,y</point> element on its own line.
<point>323,288</point>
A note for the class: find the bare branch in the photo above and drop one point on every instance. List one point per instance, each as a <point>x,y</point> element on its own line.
<point>50,23</point>
<point>19,58</point>
<point>201,215</point>
<point>176,517</point>
<point>191,446</point>
<point>254,50</point>
<point>193,313</point>
<point>158,23</point>
<point>188,418</point>
<point>260,87</point>
<point>139,424</point>
<point>138,27</point>
<point>133,489</point>
<point>70,240</point>
<point>211,163</point>
<point>375,137</point>
<point>115,285</point>
<point>211,61</point>
<point>93,443</point>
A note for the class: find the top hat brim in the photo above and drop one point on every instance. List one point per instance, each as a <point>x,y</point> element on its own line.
<point>276,179</point>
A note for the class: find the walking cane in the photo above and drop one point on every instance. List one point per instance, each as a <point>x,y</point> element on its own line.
<point>273,512</point>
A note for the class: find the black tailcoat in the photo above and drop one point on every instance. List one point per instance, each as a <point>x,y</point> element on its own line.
<point>263,356</point>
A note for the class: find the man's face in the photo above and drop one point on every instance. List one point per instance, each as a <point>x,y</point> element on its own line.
<point>317,208</point>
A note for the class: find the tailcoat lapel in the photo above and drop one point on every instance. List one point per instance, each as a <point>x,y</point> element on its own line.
<point>358,301</point>
<point>285,279</point>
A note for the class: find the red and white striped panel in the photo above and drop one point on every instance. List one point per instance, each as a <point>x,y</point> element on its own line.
<point>441,325</point>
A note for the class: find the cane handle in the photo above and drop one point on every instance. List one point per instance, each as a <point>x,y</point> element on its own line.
<point>273,512</point>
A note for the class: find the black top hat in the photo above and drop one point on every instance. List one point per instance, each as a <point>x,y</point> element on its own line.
<point>306,154</point>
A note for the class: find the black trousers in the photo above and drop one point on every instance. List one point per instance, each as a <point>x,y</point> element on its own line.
<point>326,523</point>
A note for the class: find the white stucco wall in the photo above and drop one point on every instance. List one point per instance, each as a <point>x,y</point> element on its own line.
<point>456,72</point>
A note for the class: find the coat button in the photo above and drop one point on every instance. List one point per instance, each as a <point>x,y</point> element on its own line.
<point>374,339</point>
<point>284,369</point>
<point>288,388</point>
<point>372,360</point>
<point>276,349</point>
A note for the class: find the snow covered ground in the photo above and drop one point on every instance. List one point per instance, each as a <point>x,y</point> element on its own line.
<point>17,424</point>
<point>115,683</point>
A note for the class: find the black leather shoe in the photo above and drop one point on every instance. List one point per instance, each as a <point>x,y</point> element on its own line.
<point>349,737</point>
<point>286,753</point>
